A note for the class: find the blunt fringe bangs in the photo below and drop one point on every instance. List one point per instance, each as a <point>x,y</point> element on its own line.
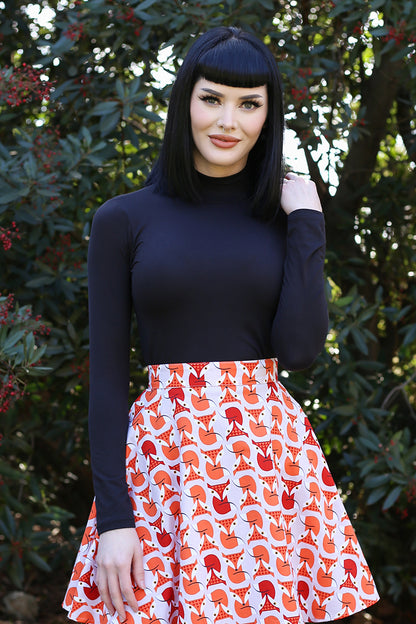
<point>234,62</point>
<point>230,56</point>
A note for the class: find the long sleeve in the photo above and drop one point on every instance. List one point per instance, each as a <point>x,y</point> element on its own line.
<point>300,324</point>
<point>109,322</point>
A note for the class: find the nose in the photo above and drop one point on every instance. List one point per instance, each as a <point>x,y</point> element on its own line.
<point>227,118</point>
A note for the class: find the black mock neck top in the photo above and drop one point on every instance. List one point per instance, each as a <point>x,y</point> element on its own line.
<point>207,282</point>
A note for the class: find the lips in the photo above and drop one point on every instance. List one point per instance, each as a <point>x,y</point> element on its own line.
<point>223,140</point>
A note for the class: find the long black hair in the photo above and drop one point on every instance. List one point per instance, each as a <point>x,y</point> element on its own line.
<point>229,56</point>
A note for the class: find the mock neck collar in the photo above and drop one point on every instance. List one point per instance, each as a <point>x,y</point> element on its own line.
<point>218,189</point>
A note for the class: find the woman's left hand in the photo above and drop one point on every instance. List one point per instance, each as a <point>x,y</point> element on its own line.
<point>299,192</point>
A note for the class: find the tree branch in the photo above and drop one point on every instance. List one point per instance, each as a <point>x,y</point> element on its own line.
<point>378,95</point>
<point>405,114</point>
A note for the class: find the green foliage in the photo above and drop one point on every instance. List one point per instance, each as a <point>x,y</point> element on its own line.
<point>82,101</point>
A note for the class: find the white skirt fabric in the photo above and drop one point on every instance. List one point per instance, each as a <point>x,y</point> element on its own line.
<point>237,513</point>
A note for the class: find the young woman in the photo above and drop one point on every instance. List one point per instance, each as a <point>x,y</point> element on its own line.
<point>220,507</point>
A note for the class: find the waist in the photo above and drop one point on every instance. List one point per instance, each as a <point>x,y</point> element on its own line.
<point>201,374</point>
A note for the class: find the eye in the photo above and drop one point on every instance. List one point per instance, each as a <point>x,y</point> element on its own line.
<point>209,99</point>
<point>251,104</point>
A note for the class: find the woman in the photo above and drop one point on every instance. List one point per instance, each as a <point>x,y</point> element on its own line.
<point>221,506</point>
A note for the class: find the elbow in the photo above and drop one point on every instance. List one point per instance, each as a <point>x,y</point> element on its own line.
<point>298,362</point>
<point>301,352</point>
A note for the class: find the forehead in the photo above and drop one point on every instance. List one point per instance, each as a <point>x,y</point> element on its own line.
<point>227,90</point>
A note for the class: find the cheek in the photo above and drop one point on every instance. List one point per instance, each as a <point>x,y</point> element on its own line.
<point>200,118</point>
<point>258,125</point>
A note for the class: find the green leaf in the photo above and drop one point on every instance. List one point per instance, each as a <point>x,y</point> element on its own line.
<point>16,571</point>
<point>376,495</point>
<point>11,195</point>
<point>44,280</point>
<point>39,371</point>
<point>392,497</point>
<point>377,480</point>
<point>359,340</point>
<point>109,122</point>
<point>38,561</point>
<point>410,335</point>
<point>105,108</point>
<point>145,5</point>
<point>14,337</point>
<point>345,410</point>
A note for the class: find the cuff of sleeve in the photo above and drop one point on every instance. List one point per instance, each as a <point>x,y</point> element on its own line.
<point>115,523</point>
<point>306,214</point>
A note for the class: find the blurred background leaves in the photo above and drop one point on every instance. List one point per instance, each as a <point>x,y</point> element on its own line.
<point>83,94</point>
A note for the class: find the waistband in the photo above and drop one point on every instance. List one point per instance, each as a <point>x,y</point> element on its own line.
<point>200,374</point>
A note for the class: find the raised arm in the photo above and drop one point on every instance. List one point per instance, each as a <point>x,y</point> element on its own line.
<point>301,321</point>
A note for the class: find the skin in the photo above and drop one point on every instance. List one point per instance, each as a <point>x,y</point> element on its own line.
<point>225,111</point>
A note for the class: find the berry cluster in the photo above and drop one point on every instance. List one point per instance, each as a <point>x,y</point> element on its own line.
<point>6,306</point>
<point>81,370</point>
<point>45,149</point>
<point>127,15</point>
<point>84,81</point>
<point>22,85</point>
<point>9,392</point>
<point>12,386</point>
<point>6,236</point>
<point>53,256</point>
<point>74,31</point>
<point>299,95</point>
<point>398,34</point>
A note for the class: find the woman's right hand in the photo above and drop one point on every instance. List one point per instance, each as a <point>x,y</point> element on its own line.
<point>119,562</point>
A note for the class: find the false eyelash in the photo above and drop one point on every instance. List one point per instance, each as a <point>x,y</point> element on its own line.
<point>206,98</point>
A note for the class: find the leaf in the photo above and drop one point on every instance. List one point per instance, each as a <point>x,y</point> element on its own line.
<point>369,443</point>
<point>379,31</point>
<point>109,122</point>
<point>44,280</point>
<point>14,337</point>
<point>105,108</point>
<point>120,89</point>
<point>376,495</point>
<point>392,497</point>
<point>38,561</point>
<point>267,4</point>
<point>410,335</point>
<point>359,340</point>
<point>377,480</point>
<point>86,135</point>
<point>11,195</point>
<point>145,5</point>
<point>345,410</point>
<point>344,301</point>
<point>39,371</point>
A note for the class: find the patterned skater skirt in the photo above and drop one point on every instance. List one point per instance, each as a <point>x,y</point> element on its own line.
<point>238,515</point>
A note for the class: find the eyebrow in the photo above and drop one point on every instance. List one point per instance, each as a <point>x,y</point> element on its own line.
<point>243,97</point>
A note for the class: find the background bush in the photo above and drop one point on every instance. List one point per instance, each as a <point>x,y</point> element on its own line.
<point>82,104</point>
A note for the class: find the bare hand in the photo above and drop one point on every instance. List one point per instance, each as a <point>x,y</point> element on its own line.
<point>299,192</point>
<point>119,562</point>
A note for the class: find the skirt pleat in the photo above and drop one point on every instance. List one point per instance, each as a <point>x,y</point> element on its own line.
<point>238,515</point>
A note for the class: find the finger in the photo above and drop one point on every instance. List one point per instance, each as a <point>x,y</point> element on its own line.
<point>128,593</point>
<point>115,594</point>
<point>138,568</point>
<point>101,582</point>
<point>291,176</point>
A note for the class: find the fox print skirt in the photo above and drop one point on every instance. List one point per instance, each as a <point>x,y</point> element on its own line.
<point>238,516</point>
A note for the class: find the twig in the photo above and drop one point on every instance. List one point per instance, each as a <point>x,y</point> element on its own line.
<point>401,388</point>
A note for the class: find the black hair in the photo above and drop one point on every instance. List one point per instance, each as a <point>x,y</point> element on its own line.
<point>229,56</point>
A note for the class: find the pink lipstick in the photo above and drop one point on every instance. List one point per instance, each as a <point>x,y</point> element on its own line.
<point>223,140</point>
